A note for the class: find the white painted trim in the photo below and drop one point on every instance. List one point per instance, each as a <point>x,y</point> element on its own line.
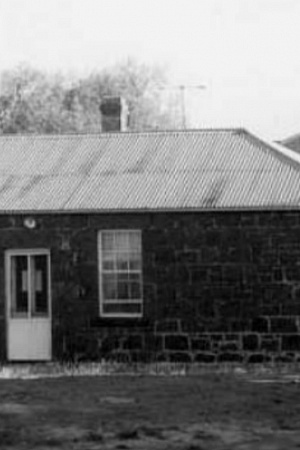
<point>286,151</point>
<point>279,148</point>
<point>117,302</point>
<point>26,252</point>
<point>100,284</point>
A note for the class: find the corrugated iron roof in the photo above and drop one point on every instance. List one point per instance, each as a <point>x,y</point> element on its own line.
<point>164,170</point>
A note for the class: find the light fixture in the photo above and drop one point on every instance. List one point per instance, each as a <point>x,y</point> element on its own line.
<point>30,223</point>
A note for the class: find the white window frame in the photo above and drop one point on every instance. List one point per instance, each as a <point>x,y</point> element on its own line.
<point>28,253</point>
<point>101,271</point>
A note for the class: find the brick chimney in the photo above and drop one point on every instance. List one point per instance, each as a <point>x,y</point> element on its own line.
<point>114,114</point>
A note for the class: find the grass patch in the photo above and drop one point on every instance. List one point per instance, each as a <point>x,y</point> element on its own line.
<point>207,411</point>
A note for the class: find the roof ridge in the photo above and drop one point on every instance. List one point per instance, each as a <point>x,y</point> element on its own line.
<point>120,133</point>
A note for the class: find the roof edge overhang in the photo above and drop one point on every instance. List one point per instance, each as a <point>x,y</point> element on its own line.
<point>228,209</point>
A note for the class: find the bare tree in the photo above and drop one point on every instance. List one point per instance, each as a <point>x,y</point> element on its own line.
<point>32,101</point>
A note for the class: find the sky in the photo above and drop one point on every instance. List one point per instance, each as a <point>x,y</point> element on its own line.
<point>245,52</point>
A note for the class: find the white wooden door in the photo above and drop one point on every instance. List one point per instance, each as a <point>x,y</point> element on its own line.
<point>28,293</point>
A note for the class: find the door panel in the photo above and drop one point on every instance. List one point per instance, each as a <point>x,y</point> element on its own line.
<point>28,305</point>
<point>29,340</point>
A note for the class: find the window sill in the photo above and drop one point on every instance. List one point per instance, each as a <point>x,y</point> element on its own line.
<point>119,322</point>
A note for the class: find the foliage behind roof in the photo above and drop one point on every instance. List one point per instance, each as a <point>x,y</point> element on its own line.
<point>163,170</point>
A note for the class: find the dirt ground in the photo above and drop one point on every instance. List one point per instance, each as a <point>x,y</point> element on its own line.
<point>204,412</point>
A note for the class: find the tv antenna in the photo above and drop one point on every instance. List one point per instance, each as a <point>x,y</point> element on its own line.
<point>182,90</point>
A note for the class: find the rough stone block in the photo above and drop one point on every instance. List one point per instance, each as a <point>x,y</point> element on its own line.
<point>182,274</point>
<point>213,238</point>
<point>240,325</point>
<point>215,274</point>
<point>231,357</point>
<point>161,357</point>
<point>84,348</point>
<point>133,342</point>
<point>176,342</point>
<point>277,274</point>
<point>265,275</point>
<point>200,344</point>
<point>141,357</point>
<point>198,275</point>
<point>210,255</point>
<point>119,357</point>
<point>150,291</point>
<point>249,220</point>
<point>156,239</point>
<point>250,342</point>
<point>192,326</point>
<point>164,257</point>
<point>292,308</point>
<point>180,357</point>
<point>290,343</point>
<point>271,309</point>
<point>292,272</point>
<point>205,308</point>
<point>229,346</point>
<point>283,325</point>
<point>92,349</point>
<point>260,324</point>
<point>153,343</point>
<point>216,337</point>
<point>7,222</point>
<point>205,357</point>
<point>231,337</point>
<point>232,274</point>
<point>258,358</point>
<point>270,344</point>
<point>284,358</point>
<point>167,326</point>
<point>189,257</point>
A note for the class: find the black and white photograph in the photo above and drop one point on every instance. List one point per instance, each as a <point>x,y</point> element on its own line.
<point>149,224</point>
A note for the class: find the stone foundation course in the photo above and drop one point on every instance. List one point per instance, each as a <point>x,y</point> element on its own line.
<point>163,345</point>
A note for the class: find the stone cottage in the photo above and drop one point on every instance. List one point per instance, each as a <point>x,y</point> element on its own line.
<point>152,246</point>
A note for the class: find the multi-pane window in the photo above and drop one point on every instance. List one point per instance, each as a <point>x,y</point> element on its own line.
<point>120,263</point>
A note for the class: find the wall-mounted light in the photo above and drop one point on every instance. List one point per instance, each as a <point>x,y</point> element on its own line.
<point>30,223</point>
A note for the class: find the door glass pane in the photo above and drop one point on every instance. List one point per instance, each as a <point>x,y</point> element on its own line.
<point>19,285</point>
<point>39,284</point>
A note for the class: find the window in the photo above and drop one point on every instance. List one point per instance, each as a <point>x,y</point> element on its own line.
<point>120,266</point>
<point>29,284</point>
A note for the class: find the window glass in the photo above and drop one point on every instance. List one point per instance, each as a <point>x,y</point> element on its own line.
<point>109,286</point>
<point>121,272</point>
<point>39,285</point>
<point>29,285</point>
<point>107,241</point>
<point>19,285</point>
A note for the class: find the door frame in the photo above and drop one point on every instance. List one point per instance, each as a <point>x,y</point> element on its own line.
<point>24,252</point>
